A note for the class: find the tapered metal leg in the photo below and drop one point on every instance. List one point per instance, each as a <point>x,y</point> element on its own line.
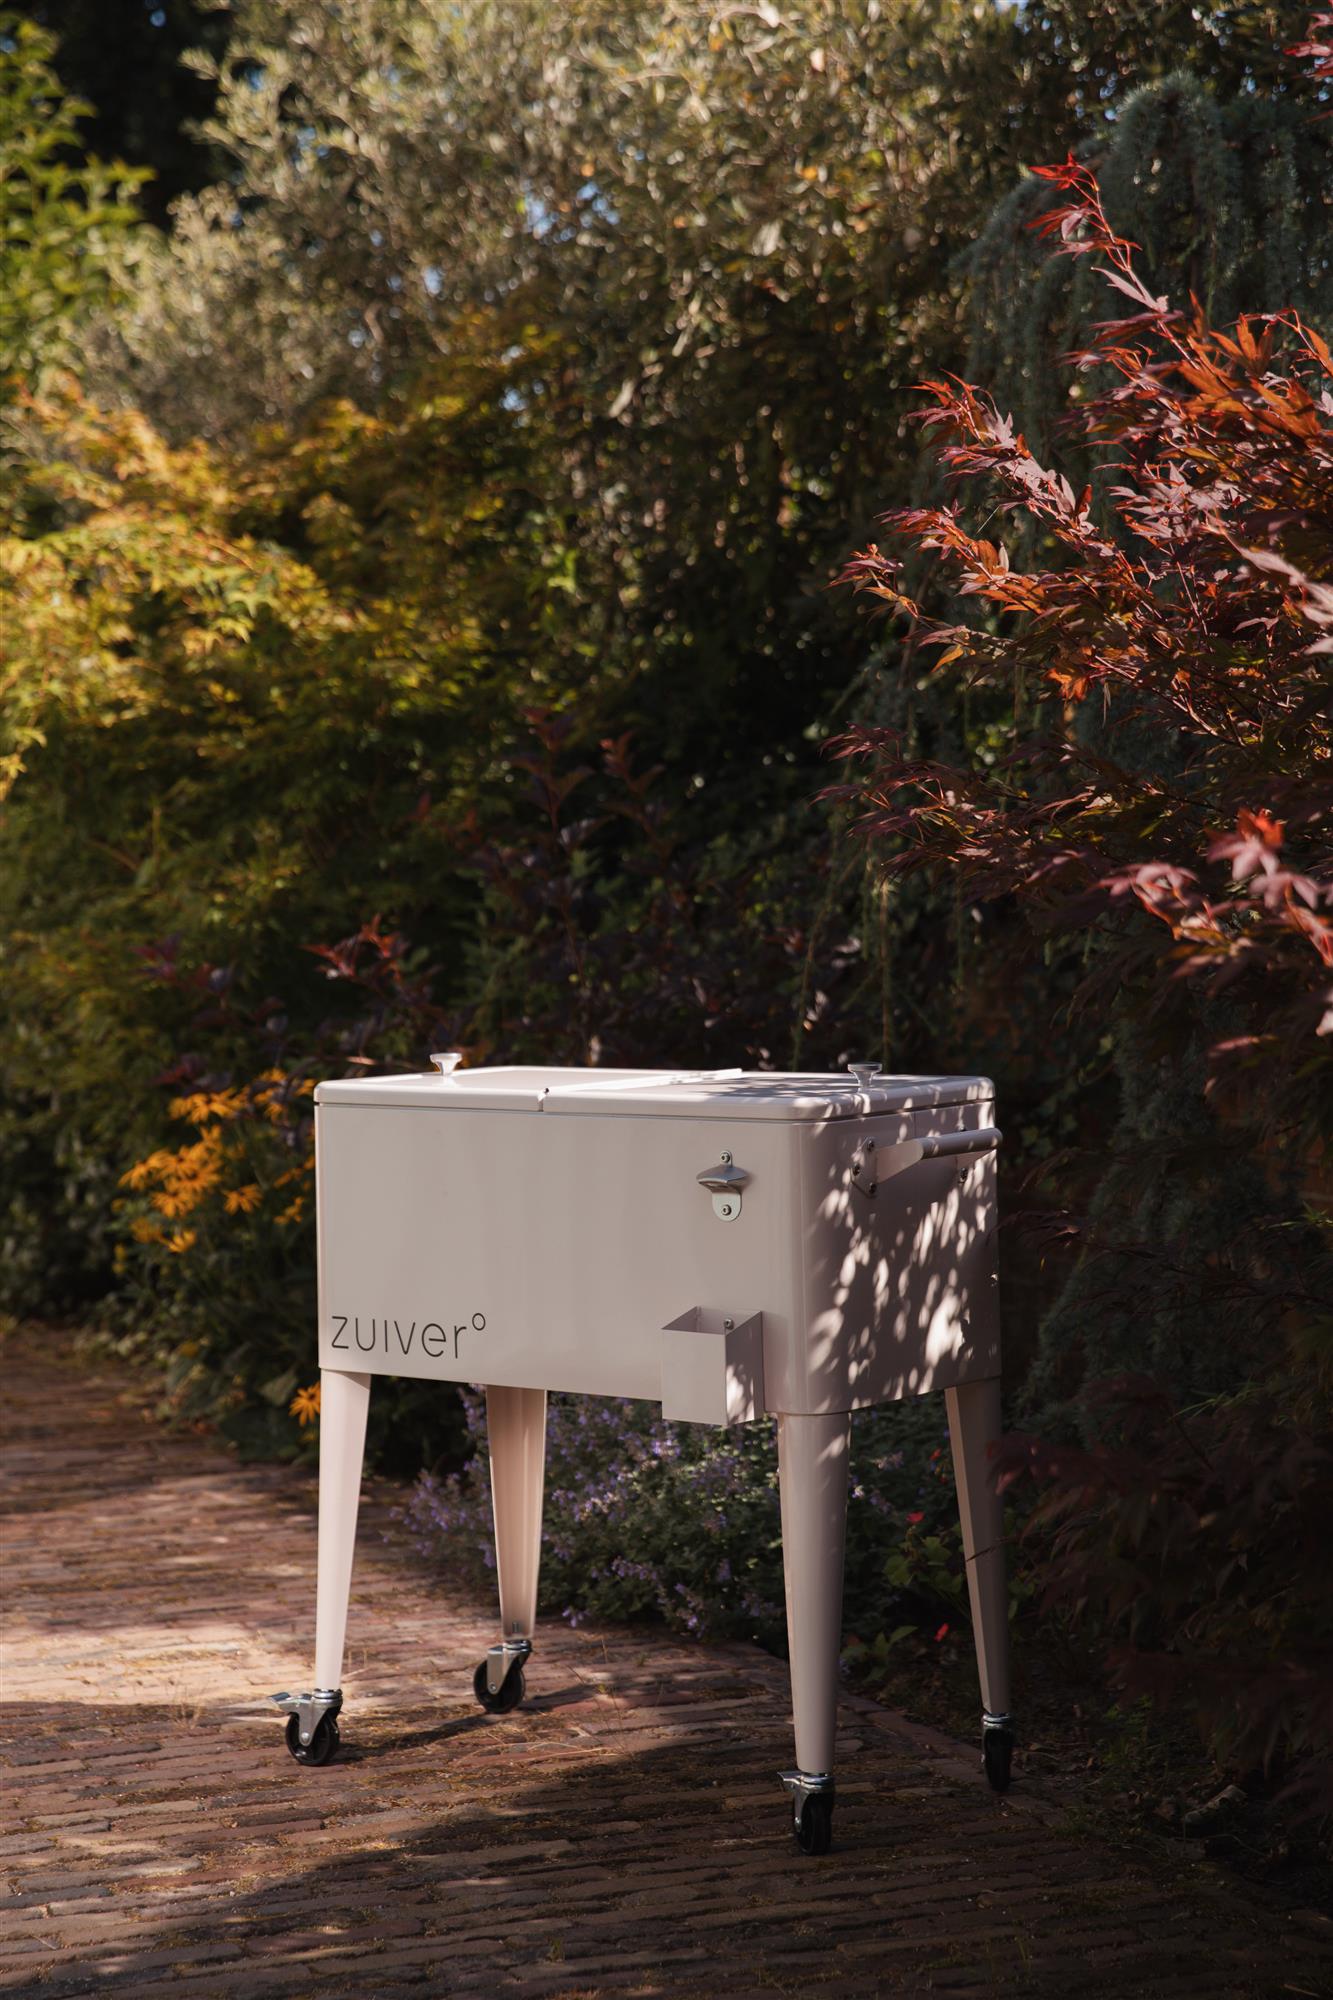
<point>343,1402</point>
<point>812,1483</point>
<point>516,1424</point>
<point>975,1424</point>
<point>312,1727</point>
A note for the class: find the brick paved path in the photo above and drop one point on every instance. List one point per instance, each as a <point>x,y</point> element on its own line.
<point>622,1834</point>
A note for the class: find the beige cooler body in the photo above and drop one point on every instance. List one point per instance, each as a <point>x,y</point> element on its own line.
<point>548,1234</point>
<point>725,1244</point>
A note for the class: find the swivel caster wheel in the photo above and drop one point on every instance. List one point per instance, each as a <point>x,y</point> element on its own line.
<point>813,1826</point>
<point>506,1697</point>
<point>997,1751</point>
<point>323,1743</point>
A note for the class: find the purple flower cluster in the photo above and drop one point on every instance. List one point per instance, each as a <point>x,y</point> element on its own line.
<point>650,1519</point>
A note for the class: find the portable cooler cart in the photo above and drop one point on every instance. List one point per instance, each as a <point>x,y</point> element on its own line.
<point>726,1243</point>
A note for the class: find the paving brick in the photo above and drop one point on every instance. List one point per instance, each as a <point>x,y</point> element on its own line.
<point>621,1834</point>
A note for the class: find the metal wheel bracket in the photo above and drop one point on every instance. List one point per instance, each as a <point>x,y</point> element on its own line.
<point>997,1749</point>
<point>309,1709</point>
<point>805,1785</point>
<point>500,1658</point>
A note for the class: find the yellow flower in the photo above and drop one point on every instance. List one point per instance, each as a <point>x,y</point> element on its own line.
<point>206,1104</point>
<point>242,1200</point>
<point>305,1405</point>
<point>144,1171</point>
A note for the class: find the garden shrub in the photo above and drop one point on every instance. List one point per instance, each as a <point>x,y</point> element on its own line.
<point>214,757</point>
<point>471,611</point>
<point>68,242</point>
<point>1160,818</point>
<point>215,1257</point>
<point>257,692</point>
<point>1196,1540</point>
<point>645,1518</point>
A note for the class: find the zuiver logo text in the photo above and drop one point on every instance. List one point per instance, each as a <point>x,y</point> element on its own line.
<point>394,1337</point>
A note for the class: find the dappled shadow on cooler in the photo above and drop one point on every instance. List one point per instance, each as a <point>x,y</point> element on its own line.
<point>902,1280</point>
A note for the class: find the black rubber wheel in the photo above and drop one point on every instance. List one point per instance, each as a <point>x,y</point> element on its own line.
<point>814,1828</point>
<point>511,1691</point>
<point>323,1744</point>
<point>997,1751</point>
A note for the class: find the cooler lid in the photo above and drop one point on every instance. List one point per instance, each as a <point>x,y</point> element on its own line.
<point>504,1088</point>
<point>789,1096</point>
<point>600,1093</point>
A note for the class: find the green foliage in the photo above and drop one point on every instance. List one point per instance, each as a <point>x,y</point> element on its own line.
<point>613,926</point>
<point>245,703</point>
<point>1197,1539</point>
<point>1195,1246</point>
<point>65,227</point>
<point>440,534</point>
<point>722,238</point>
<point>649,1519</point>
<point>703,188</point>
<point>219,752</point>
<point>125,57</point>
<point>1230,201</point>
<point>1200,624</point>
<point>215,1251</point>
<point>712,262</point>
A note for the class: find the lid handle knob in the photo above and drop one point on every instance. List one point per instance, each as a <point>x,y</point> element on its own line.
<point>864,1072</point>
<point>447,1062</point>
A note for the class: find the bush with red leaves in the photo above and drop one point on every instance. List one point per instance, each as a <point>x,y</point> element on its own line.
<point>1162,800</point>
<point>1192,598</point>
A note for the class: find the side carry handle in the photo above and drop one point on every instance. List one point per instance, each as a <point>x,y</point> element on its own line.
<point>872,1164</point>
